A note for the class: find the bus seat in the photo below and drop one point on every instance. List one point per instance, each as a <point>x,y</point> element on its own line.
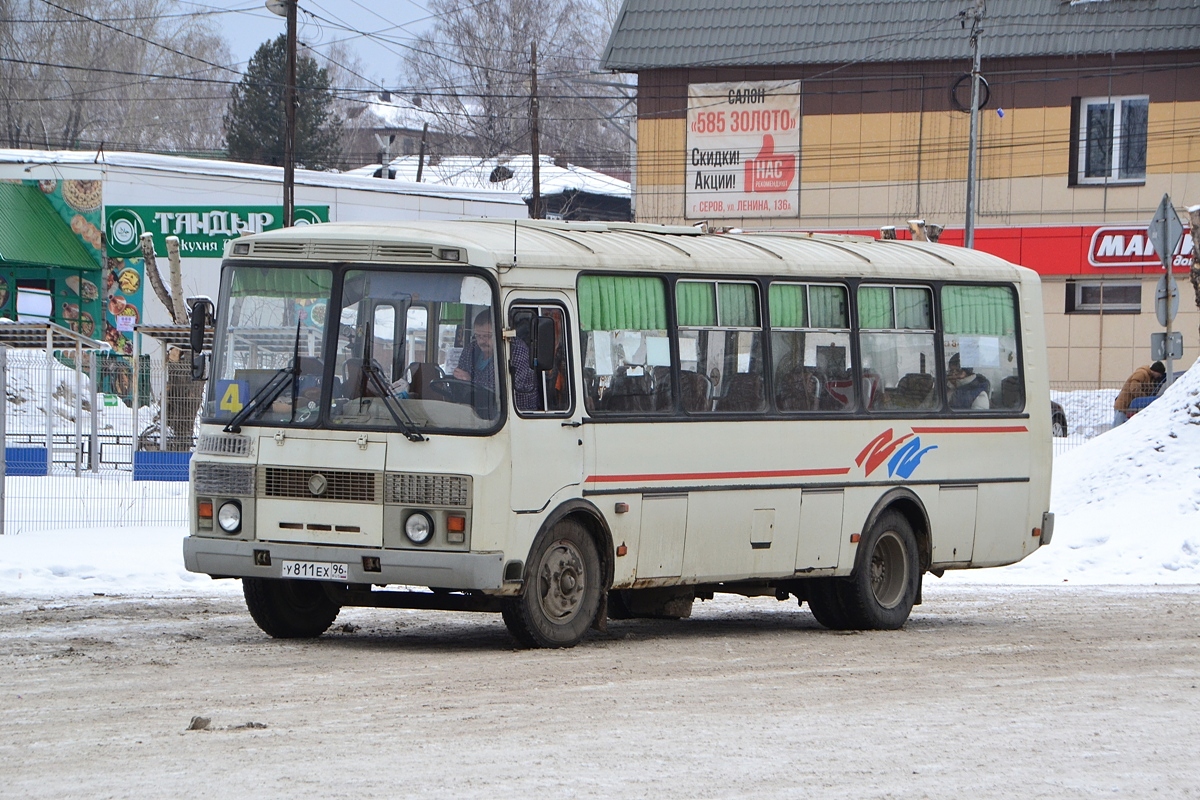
<point>696,391</point>
<point>914,390</point>
<point>420,375</point>
<point>630,392</point>
<point>799,390</point>
<point>1010,394</point>
<point>745,393</point>
<point>357,383</point>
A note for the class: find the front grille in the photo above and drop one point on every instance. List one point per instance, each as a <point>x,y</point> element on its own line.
<point>223,444</point>
<point>356,487</point>
<point>428,490</point>
<point>224,479</point>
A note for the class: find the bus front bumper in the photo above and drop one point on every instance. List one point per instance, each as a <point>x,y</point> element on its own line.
<point>228,558</point>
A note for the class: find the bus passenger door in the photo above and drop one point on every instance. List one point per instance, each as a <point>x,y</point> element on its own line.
<point>544,416</point>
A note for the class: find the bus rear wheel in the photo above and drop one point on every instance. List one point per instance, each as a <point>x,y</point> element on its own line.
<point>289,609</point>
<point>881,592</point>
<point>561,596</point>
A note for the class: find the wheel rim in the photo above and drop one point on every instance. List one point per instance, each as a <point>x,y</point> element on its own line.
<point>889,570</point>
<point>561,582</point>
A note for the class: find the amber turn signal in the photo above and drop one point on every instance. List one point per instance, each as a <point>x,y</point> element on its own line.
<point>205,509</point>
<point>456,524</point>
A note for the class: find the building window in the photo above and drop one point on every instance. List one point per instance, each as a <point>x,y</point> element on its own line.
<point>1110,137</point>
<point>1103,297</point>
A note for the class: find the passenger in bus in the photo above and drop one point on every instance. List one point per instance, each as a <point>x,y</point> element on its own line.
<point>966,388</point>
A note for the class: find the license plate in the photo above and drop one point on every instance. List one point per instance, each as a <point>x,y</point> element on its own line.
<point>315,570</point>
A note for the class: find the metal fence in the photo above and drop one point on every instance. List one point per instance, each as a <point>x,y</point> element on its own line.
<point>109,466</point>
<point>90,448</point>
<point>1087,408</point>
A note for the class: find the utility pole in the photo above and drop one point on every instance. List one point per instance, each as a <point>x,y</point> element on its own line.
<point>976,15</point>
<point>287,8</point>
<point>533,135</point>
<point>421,152</point>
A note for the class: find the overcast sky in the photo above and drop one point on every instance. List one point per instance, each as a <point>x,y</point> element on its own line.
<point>249,24</point>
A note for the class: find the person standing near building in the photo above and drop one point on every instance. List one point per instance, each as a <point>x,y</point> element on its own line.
<point>1144,382</point>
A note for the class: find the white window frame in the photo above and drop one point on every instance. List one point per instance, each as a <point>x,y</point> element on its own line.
<point>1114,167</point>
<point>1079,307</point>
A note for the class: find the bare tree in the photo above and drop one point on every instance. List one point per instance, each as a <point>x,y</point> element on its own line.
<point>76,73</point>
<point>472,70</point>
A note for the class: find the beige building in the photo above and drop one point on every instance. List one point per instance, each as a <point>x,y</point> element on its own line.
<point>855,115</point>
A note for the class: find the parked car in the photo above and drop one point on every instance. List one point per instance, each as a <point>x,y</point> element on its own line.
<point>1058,420</point>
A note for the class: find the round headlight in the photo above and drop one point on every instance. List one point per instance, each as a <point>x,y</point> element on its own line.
<point>229,517</point>
<point>418,527</point>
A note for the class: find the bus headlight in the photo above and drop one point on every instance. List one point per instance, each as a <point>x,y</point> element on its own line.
<point>229,516</point>
<point>418,527</point>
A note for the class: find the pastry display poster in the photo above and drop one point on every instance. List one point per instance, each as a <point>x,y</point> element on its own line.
<point>202,230</point>
<point>77,301</point>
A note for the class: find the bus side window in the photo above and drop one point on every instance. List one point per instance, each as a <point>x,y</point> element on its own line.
<point>896,342</point>
<point>979,341</point>
<point>720,346</point>
<point>810,345</point>
<point>538,360</point>
<point>625,350</point>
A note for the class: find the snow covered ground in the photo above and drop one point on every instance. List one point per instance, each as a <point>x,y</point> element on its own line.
<point>1127,507</point>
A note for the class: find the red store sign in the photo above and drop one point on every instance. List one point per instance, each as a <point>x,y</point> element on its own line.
<point>1072,249</point>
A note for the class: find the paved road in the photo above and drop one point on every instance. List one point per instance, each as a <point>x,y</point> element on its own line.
<point>1020,693</point>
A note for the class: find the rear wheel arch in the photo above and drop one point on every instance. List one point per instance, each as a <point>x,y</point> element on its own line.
<point>906,502</point>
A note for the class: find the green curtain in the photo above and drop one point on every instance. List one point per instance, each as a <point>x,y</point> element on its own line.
<point>739,305</point>
<point>979,310</point>
<point>696,304</point>
<point>875,307</point>
<point>828,306</point>
<point>788,306</point>
<point>621,303</point>
<point>301,284</point>
<point>913,309</point>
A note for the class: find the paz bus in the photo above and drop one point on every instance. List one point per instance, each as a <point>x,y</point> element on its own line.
<point>569,423</point>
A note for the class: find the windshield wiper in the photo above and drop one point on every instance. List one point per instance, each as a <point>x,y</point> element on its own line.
<point>265,396</point>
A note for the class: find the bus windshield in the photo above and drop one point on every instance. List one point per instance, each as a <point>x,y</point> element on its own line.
<point>272,323</point>
<point>415,350</point>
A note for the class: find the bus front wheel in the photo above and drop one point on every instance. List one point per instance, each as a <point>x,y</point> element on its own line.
<point>289,609</point>
<point>561,596</point>
<point>881,592</point>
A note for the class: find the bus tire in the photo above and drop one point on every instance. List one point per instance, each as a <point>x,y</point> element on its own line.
<point>883,589</point>
<point>825,603</point>
<point>561,595</point>
<point>289,609</point>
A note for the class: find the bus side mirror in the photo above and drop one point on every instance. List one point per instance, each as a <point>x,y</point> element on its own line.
<point>543,344</point>
<point>202,317</point>
<point>199,366</point>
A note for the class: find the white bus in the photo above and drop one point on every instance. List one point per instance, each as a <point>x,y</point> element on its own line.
<point>568,423</point>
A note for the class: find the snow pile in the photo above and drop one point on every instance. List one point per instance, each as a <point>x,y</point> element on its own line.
<point>101,561</point>
<point>1126,504</point>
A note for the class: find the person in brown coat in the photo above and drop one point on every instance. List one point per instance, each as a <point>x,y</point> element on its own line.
<point>1144,382</point>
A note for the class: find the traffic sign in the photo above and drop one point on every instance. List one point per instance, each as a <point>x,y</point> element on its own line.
<point>1164,308</point>
<point>1165,231</point>
<point>1158,346</point>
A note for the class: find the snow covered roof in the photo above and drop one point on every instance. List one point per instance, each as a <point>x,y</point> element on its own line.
<point>515,173</point>
<point>402,114</point>
<point>355,179</point>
